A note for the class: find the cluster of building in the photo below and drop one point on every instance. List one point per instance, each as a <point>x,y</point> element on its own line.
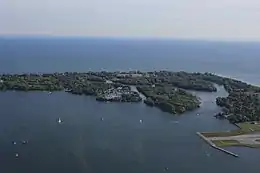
<point>123,94</point>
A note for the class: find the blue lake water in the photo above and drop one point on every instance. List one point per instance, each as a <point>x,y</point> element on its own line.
<point>120,143</point>
<point>239,60</point>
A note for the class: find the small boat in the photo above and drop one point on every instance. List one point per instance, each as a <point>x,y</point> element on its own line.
<point>102,119</point>
<point>50,93</point>
<point>16,155</point>
<point>14,142</point>
<point>59,121</point>
<point>166,169</point>
<point>24,142</point>
<point>141,121</point>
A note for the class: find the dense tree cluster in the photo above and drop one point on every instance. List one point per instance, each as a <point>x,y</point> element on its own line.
<point>241,106</point>
<point>29,83</point>
<point>169,99</point>
<point>178,79</point>
<point>229,84</point>
<point>184,80</point>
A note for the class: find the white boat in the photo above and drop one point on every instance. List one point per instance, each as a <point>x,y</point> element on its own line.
<point>59,121</point>
<point>24,142</point>
<point>141,121</point>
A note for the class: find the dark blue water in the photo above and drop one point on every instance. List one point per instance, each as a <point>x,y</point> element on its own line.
<point>120,143</point>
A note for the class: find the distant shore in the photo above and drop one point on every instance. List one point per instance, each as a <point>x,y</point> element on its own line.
<point>237,78</point>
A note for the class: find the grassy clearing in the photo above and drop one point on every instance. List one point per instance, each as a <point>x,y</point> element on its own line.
<point>245,128</point>
<point>251,146</point>
<point>225,143</point>
<point>233,143</point>
<point>223,134</point>
<point>249,127</point>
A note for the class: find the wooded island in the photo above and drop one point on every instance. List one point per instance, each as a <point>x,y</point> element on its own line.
<point>166,90</point>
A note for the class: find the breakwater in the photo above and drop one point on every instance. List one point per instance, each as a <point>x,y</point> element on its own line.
<point>216,147</point>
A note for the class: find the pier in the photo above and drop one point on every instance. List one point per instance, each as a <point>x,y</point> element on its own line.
<point>216,147</point>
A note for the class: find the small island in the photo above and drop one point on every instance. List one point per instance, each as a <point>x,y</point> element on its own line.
<point>169,99</point>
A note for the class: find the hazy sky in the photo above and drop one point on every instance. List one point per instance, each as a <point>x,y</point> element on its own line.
<point>194,19</point>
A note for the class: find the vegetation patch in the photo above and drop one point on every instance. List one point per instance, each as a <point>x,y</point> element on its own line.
<point>245,128</point>
<point>241,106</point>
<point>249,126</point>
<point>169,99</point>
<point>226,143</point>
<point>223,134</point>
<point>233,143</point>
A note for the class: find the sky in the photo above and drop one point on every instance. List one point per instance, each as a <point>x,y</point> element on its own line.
<point>181,19</point>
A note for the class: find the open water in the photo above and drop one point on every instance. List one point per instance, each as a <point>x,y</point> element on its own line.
<point>120,143</point>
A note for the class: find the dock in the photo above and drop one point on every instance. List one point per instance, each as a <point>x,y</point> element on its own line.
<point>216,147</point>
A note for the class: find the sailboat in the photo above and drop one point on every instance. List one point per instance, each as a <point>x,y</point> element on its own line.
<point>59,121</point>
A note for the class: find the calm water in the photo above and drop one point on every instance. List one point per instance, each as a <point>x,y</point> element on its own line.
<point>240,60</point>
<point>84,143</point>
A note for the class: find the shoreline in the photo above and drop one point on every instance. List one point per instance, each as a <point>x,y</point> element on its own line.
<point>144,71</point>
<point>236,78</point>
<point>169,91</point>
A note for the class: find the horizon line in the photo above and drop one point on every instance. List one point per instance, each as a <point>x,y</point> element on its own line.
<point>142,38</point>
